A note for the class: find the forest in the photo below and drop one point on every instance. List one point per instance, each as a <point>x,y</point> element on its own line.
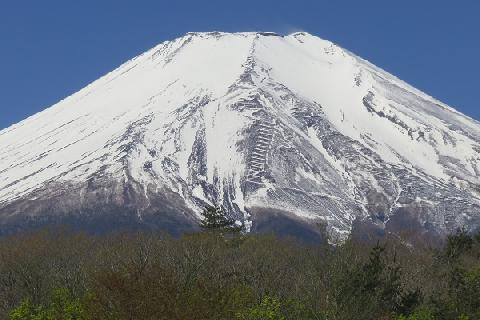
<point>224,273</point>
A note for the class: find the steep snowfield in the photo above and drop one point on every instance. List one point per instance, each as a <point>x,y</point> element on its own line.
<point>76,131</point>
<point>248,120</point>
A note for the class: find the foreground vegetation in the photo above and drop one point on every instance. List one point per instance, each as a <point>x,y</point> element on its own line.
<point>55,274</point>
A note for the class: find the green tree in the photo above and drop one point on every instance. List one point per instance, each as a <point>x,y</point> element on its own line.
<point>464,292</point>
<point>458,244</point>
<point>268,309</point>
<point>61,306</point>
<point>421,313</point>
<point>373,289</point>
<point>214,219</point>
<point>24,311</point>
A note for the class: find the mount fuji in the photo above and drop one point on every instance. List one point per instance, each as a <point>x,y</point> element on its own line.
<point>284,132</point>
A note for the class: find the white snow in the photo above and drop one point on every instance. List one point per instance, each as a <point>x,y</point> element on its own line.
<point>182,87</point>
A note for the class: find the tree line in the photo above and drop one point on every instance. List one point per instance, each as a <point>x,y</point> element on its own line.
<point>223,273</point>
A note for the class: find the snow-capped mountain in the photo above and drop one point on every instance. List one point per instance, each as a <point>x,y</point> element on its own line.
<point>266,125</point>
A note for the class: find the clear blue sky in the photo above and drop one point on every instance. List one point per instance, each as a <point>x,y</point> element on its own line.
<point>49,49</point>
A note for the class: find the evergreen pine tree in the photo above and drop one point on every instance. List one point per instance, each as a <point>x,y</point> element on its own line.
<point>214,219</point>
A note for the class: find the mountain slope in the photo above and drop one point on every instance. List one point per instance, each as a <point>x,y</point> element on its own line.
<point>257,122</point>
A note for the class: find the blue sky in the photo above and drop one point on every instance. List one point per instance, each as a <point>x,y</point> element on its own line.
<point>52,48</point>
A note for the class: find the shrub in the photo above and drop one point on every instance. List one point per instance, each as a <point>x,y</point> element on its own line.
<point>61,306</point>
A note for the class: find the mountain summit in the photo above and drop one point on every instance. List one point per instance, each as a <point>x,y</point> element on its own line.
<point>284,132</point>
